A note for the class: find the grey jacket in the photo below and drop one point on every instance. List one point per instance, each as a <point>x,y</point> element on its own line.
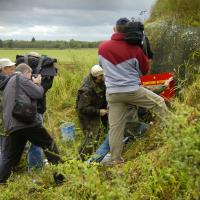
<point>28,93</point>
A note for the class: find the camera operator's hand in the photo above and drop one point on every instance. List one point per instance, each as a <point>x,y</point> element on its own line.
<point>167,82</point>
<point>37,80</point>
<point>103,112</point>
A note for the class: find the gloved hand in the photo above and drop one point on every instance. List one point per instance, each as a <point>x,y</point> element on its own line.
<point>167,82</point>
<point>103,112</point>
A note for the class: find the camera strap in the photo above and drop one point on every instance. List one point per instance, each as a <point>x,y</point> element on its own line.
<point>26,59</point>
<point>17,89</point>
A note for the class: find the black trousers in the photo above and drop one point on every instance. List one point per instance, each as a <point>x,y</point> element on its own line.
<point>12,147</point>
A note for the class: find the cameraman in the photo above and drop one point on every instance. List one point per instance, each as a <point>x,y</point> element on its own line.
<point>35,156</point>
<point>34,60</point>
<point>123,64</point>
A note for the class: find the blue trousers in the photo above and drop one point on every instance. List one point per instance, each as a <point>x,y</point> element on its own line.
<point>101,151</point>
<point>35,154</point>
<point>35,157</point>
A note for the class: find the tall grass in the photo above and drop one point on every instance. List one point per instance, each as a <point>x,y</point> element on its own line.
<point>163,165</point>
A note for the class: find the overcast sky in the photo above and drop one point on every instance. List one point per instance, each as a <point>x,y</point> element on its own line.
<point>87,20</point>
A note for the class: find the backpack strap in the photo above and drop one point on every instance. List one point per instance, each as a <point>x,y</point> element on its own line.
<point>26,59</point>
<point>17,88</point>
<point>39,67</point>
<point>144,44</point>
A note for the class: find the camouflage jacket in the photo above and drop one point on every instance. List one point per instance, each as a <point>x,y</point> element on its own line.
<point>90,99</point>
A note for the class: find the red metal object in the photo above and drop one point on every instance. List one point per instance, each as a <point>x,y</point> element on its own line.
<point>158,79</point>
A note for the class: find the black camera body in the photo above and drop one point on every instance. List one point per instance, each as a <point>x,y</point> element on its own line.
<point>34,75</point>
<point>134,35</point>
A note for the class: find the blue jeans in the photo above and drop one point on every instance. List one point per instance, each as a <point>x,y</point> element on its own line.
<point>101,151</point>
<point>35,154</point>
<point>104,148</point>
<point>35,157</point>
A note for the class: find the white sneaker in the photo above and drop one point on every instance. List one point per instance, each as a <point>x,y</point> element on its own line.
<point>106,158</point>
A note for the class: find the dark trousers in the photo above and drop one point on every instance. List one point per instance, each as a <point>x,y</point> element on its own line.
<point>89,144</point>
<point>12,147</point>
<point>92,133</point>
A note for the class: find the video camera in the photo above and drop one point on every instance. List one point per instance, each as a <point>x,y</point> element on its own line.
<point>43,65</point>
<point>134,35</point>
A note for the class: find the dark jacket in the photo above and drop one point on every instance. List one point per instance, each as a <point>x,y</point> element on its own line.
<point>28,93</point>
<point>46,84</point>
<point>3,81</point>
<point>90,99</point>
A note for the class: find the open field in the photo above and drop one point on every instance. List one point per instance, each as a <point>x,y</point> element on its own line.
<point>84,56</point>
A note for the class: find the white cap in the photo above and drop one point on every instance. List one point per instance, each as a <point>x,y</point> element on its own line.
<point>5,62</point>
<point>96,70</point>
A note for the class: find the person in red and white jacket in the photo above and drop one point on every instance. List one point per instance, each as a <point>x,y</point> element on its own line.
<point>123,64</point>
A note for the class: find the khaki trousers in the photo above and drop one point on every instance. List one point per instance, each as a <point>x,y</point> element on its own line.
<point>118,110</point>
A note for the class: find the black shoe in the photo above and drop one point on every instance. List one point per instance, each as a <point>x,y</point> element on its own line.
<point>58,178</point>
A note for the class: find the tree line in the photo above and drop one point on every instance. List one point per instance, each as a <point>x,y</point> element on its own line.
<point>47,44</point>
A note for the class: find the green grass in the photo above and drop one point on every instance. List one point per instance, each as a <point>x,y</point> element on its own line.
<point>162,165</point>
<point>84,56</point>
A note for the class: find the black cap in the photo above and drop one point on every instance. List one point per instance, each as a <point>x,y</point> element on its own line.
<point>122,21</point>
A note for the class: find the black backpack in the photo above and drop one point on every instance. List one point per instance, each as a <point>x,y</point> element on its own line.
<point>134,35</point>
<point>41,65</point>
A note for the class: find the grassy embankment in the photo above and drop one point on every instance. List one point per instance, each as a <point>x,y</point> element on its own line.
<point>183,11</point>
<point>163,165</point>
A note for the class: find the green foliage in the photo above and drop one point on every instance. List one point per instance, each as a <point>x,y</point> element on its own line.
<point>42,44</point>
<point>33,39</point>
<point>1,43</point>
<point>176,50</point>
<point>162,165</point>
<point>184,11</point>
